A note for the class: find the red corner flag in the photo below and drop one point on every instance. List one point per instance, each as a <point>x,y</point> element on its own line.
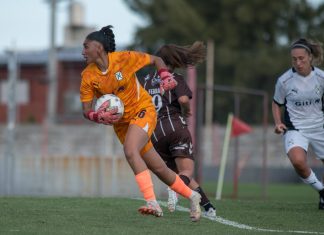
<point>239,127</point>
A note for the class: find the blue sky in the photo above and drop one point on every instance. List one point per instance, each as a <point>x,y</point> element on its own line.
<point>25,24</point>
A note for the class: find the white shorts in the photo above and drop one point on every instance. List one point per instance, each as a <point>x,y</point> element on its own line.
<point>304,138</point>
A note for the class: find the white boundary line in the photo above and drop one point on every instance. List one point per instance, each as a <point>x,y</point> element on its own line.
<point>238,225</point>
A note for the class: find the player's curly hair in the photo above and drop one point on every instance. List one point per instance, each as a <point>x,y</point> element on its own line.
<point>182,56</point>
<point>312,47</point>
<point>105,36</point>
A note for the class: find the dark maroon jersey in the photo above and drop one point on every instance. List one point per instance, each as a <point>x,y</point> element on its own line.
<point>166,105</point>
<point>171,137</point>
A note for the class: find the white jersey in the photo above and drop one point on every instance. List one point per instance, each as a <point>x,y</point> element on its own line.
<point>302,98</point>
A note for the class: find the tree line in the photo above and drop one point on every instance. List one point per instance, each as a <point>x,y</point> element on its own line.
<point>252,38</point>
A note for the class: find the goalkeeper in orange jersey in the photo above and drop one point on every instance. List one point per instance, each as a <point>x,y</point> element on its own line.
<point>111,72</point>
<point>171,138</point>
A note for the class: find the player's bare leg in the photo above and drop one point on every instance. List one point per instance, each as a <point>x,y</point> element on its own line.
<point>169,177</point>
<point>298,158</point>
<point>132,147</point>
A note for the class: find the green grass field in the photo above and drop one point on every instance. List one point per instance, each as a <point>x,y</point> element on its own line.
<point>288,209</point>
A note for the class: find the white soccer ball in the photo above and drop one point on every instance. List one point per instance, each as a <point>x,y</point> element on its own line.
<point>114,102</point>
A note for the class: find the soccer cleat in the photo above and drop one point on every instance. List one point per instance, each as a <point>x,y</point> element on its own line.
<point>172,200</point>
<point>211,213</point>
<point>321,201</point>
<point>195,211</point>
<point>151,208</point>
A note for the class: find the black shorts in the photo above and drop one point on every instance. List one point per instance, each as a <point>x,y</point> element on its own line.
<point>172,139</point>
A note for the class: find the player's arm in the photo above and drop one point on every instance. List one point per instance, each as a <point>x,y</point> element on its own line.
<point>185,105</point>
<point>88,112</point>
<point>157,62</point>
<point>276,113</point>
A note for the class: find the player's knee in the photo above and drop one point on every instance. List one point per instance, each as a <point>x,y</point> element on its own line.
<point>300,165</point>
<point>130,153</point>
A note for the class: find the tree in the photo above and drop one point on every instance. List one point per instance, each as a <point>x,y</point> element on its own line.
<point>251,38</point>
<point>168,21</point>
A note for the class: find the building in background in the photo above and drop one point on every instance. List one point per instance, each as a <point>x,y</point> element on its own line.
<point>76,30</point>
<point>32,85</point>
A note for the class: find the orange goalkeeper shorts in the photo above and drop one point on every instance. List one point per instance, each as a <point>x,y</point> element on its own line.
<point>145,119</point>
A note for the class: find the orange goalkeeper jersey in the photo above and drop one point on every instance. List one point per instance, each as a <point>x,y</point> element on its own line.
<point>120,80</point>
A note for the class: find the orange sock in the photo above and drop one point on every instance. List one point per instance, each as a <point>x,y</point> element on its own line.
<point>180,187</point>
<point>145,185</point>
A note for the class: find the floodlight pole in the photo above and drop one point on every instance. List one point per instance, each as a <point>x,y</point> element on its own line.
<point>265,146</point>
<point>209,98</point>
<point>11,122</point>
<point>209,84</point>
<point>52,63</point>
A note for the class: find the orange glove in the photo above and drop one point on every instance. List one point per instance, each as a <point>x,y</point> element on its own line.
<point>167,81</point>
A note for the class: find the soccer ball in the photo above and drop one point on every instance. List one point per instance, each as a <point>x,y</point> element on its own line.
<point>114,102</point>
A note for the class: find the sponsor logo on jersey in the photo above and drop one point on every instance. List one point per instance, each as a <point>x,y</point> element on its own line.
<point>307,102</point>
<point>119,76</point>
<point>154,91</point>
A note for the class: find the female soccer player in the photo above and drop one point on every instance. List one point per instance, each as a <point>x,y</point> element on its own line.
<point>171,138</point>
<point>109,72</point>
<point>300,92</point>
